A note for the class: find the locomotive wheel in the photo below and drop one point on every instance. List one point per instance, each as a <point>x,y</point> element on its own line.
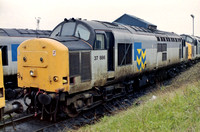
<point>71,111</point>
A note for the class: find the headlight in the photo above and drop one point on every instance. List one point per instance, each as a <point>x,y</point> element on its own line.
<point>31,73</point>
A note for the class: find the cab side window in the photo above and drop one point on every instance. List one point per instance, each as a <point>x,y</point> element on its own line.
<point>100,42</point>
<point>189,40</point>
<point>56,32</point>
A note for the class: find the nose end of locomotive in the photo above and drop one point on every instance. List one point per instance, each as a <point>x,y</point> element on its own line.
<point>44,64</point>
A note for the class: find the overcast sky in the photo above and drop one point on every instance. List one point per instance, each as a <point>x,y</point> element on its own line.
<point>168,15</point>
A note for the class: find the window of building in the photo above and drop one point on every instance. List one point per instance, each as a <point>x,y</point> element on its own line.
<point>124,54</point>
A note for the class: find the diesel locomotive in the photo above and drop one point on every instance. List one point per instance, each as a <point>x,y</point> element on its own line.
<point>9,41</point>
<point>84,63</point>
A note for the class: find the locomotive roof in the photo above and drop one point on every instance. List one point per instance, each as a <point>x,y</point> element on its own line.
<point>24,32</point>
<point>66,31</point>
<point>191,36</point>
<point>107,26</point>
<point>101,25</point>
<point>198,38</point>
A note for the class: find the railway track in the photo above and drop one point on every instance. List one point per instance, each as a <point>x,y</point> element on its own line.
<point>28,123</point>
<point>94,115</point>
<point>34,124</point>
<point>13,122</point>
<point>87,117</point>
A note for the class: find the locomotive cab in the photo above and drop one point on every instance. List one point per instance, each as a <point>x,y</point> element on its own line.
<point>72,29</point>
<point>192,47</point>
<point>54,69</point>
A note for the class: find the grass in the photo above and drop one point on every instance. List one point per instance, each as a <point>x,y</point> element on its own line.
<point>176,108</point>
<point>175,111</point>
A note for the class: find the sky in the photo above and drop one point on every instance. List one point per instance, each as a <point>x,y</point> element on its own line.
<point>168,15</point>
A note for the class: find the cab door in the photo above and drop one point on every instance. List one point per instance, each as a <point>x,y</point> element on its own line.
<point>110,48</point>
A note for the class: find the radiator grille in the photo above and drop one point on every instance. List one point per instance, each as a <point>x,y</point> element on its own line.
<point>193,51</point>
<point>74,64</point>
<point>180,54</point>
<point>186,53</point>
<point>164,56</point>
<point>85,66</point>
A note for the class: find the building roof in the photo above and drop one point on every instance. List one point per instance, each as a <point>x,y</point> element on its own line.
<point>131,20</point>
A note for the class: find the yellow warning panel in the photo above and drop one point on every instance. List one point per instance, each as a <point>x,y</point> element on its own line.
<point>2,90</point>
<point>44,64</point>
<point>189,50</point>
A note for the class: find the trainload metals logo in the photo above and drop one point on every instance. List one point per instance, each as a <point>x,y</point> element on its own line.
<point>139,56</point>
